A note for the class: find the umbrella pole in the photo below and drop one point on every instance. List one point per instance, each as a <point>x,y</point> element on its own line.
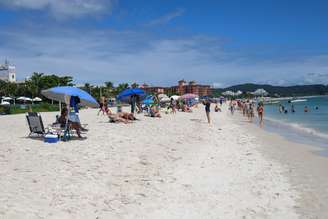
<point>67,131</point>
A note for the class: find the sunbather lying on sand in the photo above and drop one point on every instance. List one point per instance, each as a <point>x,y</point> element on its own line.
<point>116,118</point>
<point>121,117</point>
<point>127,116</point>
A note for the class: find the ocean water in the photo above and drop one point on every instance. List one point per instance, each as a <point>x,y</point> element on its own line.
<point>304,127</point>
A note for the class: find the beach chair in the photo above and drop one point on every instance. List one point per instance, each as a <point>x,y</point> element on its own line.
<point>64,133</point>
<point>35,124</point>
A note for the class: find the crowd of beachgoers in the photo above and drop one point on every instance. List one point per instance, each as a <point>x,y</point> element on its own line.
<point>246,106</point>
<point>152,106</point>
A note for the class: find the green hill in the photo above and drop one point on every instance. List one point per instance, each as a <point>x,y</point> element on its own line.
<point>283,91</point>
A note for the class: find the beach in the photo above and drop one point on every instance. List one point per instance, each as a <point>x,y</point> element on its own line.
<point>177,166</point>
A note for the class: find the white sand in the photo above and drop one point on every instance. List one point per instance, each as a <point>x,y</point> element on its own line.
<point>174,167</point>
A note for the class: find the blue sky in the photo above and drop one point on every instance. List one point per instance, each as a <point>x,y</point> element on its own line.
<point>162,41</point>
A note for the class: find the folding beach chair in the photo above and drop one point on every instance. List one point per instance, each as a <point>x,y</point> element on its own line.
<point>35,124</point>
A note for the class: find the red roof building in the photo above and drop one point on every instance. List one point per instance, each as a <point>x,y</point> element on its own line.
<point>182,88</point>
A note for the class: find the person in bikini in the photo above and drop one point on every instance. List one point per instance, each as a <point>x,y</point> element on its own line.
<point>260,112</point>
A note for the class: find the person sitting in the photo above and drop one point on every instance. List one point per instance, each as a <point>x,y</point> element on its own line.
<point>64,120</point>
<point>173,105</point>
<point>106,108</point>
<point>186,109</point>
<point>217,108</point>
<point>154,112</point>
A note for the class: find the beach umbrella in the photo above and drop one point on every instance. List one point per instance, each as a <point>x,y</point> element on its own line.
<point>238,93</point>
<point>125,95</point>
<point>7,98</point>
<point>228,93</point>
<point>24,99</point>
<point>260,92</point>
<point>175,97</point>
<point>165,100</point>
<point>21,98</point>
<point>161,96</point>
<point>189,96</point>
<point>37,99</point>
<point>148,101</point>
<point>62,94</point>
<point>4,103</point>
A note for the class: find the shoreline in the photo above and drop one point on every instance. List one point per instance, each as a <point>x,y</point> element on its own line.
<point>305,167</point>
<point>297,133</point>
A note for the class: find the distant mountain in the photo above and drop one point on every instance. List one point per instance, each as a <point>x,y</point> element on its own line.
<point>283,91</point>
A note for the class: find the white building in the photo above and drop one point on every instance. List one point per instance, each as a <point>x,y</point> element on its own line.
<point>7,72</point>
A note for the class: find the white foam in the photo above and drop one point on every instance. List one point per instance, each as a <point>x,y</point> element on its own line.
<point>299,127</point>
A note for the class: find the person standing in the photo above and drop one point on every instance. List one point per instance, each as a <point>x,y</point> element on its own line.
<point>292,108</point>
<point>101,105</point>
<point>260,112</point>
<point>133,102</point>
<point>231,107</point>
<point>207,105</point>
<point>173,105</point>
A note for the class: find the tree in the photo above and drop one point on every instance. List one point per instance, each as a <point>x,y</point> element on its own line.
<point>87,88</point>
<point>120,88</point>
<point>109,84</point>
<point>34,84</point>
<point>134,85</point>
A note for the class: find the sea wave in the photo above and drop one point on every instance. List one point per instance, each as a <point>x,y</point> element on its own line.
<point>297,127</point>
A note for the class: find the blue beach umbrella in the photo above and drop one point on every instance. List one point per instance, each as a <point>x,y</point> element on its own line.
<point>149,100</point>
<point>127,93</point>
<point>61,93</point>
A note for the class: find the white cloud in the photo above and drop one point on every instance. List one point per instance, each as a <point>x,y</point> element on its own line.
<point>63,8</point>
<point>166,18</point>
<point>98,56</point>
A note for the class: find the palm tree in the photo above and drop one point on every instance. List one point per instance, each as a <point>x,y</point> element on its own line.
<point>87,87</point>
<point>134,85</point>
<point>34,84</point>
<point>109,84</point>
<point>120,88</point>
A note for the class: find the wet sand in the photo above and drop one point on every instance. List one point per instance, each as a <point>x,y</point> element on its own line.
<point>304,166</point>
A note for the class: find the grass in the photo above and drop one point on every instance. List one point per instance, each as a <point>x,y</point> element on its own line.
<point>16,109</point>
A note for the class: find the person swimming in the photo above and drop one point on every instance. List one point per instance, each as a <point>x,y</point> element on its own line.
<point>306,109</point>
<point>281,109</point>
<point>292,108</point>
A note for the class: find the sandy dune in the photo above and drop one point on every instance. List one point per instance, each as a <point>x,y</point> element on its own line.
<point>174,167</point>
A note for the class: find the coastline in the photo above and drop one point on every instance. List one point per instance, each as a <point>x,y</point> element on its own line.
<point>304,167</point>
